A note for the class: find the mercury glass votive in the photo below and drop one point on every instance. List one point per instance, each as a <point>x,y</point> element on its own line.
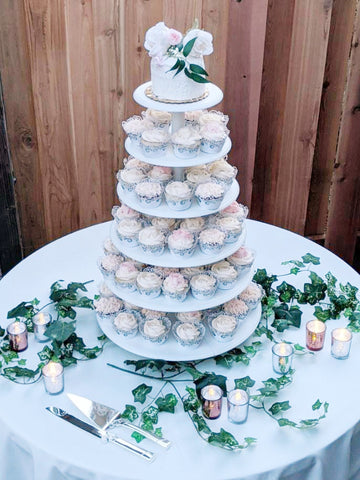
<point>53,375</point>
<point>282,355</point>
<point>238,405</point>
<point>315,335</point>
<point>18,336</point>
<point>211,396</point>
<point>41,321</point>
<point>340,343</point>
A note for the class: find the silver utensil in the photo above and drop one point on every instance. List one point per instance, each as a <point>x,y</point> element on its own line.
<point>100,433</point>
<point>107,417</point>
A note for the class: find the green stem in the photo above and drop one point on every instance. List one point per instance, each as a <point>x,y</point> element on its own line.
<point>152,377</point>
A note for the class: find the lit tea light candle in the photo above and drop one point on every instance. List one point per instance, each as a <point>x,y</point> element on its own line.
<point>211,396</point>
<point>282,355</point>
<point>41,321</point>
<point>340,343</point>
<point>18,336</point>
<point>315,335</point>
<point>53,375</point>
<point>238,406</point>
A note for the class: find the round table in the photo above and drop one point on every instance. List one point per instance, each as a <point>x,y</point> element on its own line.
<point>36,445</point>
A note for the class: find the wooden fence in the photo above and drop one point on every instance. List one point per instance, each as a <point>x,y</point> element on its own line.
<point>290,70</point>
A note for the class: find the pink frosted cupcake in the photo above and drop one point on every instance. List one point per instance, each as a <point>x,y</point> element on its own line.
<point>213,136</point>
<point>109,264</point>
<point>161,174</point>
<point>182,243</point>
<point>119,213</point>
<point>125,275</point>
<point>242,259</point>
<point>236,307</point>
<point>175,286</point>
<point>211,240</point>
<point>210,195</point>
<point>236,210</point>
<point>135,126</point>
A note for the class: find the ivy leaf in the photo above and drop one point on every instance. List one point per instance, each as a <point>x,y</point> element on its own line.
<point>223,438</point>
<point>19,372</point>
<point>210,379</point>
<point>196,374</point>
<point>263,330</point>
<point>287,292</point>
<point>250,440</point>
<point>285,422</point>
<point>262,278</point>
<point>191,402</point>
<point>137,436</point>
<point>140,392</point>
<point>309,423</point>
<point>278,407</point>
<point>200,423</point>
<point>24,309</point>
<point>45,354</point>
<point>309,258</point>
<point>321,314</point>
<point>197,69</point>
<point>150,364</point>
<point>130,413</point>
<point>167,403</point>
<point>150,415</point>
<point>60,331</point>
<point>317,405</point>
<point>294,270</point>
<point>286,317</point>
<point>244,383</point>
<point>293,262</point>
<point>315,291</point>
<point>188,46</point>
<point>354,322</point>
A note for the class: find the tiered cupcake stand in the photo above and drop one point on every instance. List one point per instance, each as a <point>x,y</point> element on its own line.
<point>171,350</point>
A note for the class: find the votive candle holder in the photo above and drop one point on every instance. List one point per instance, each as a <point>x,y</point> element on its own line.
<point>41,321</point>
<point>315,335</point>
<point>238,405</point>
<point>282,356</point>
<point>341,343</point>
<point>211,396</point>
<point>53,375</point>
<point>18,336</point>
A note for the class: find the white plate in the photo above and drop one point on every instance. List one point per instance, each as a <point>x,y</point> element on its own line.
<point>214,97</point>
<point>170,160</point>
<point>164,211</point>
<point>167,259</point>
<point>172,351</point>
<point>164,304</point>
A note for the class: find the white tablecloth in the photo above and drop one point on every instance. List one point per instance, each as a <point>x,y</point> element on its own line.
<point>36,445</point>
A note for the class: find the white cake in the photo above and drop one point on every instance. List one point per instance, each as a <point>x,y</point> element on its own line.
<point>177,63</point>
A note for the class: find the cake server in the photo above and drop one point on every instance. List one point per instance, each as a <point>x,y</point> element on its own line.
<point>150,456</point>
<point>104,417</point>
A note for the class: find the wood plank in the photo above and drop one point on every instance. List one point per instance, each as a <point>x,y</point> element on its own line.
<point>341,30</point>
<point>50,82</point>
<point>21,124</point>
<point>289,155</point>
<point>344,215</point>
<point>181,15</point>
<point>244,64</point>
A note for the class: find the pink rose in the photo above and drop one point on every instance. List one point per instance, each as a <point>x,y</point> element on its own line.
<point>173,36</point>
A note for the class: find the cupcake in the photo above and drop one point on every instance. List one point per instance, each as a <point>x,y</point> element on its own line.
<point>175,286</point>
<point>210,195</point>
<point>242,259</point>
<point>149,284</point>
<point>182,243</point>
<point>191,271</point>
<point>213,117</point>
<point>126,323</point>
<point>131,306</point>
<point>252,295</point>
<point>128,230</point>
<point>192,118</point>
<point>109,247</point>
<point>135,126</point>
<point>213,136</point>
<point>223,326</point>
<point>147,313</point>
<point>236,210</point>
<point>236,307</point>
<point>203,286</point>
<point>231,226</point>
<point>188,334</point>
<point>196,175</point>
<point>211,240</point>
<point>104,290</point>
<point>158,118</point>
<point>186,142</point>
<point>178,195</point>
<point>161,174</point>
<point>152,240</point>
<point>149,193</point>
<point>129,178</point>
<point>194,225</point>
<point>106,307</point>
<point>125,275</point>
<point>155,329</point>
<point>109,264</point>
<point>154,143</point>
<point>132,162</point>
<point>223,172</point>
<point>165,271</point>
<point>164,224</point>
<point>119,213</point>
<point>225,274</point>
<point>189,317</point>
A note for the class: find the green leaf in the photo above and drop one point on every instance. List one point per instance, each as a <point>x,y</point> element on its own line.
<point>130,413</point>
<point>197,69</point>
<point>141,392</point>
<point>19,372</point>
<point>294,270</point>
<point>286,317</point>
<point>278,407</point>
<point>250,440</point>
<point>321,314</point>
<point>24,309</point>
<point>167,403</point>
<point>317,405</point>
<point>200,423</point>
<point>150,415</point>
<point>188,46</point>
<point>308,258</point>
<point>210,379</point>
<point>223,438</point>
<point>354,322</point>
<point>287,292</point>
<point>45,354</point>
<point>294,262</point>
<point>285,422</point>
<point>196,374</point>
<point>194,76</point>
<point>244,383</point>
<point>191,401</point>
<point>137,436</point>
<point>60,331</point>
<point>180,68</point>
<point>262,278</point>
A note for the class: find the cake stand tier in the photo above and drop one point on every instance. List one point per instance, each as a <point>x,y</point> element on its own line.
<point>172,351</point>
<point>170,160</point>
<point>164,211</point>
<point>215,96</point>
<point>164,304</point>
<point>167,259</point>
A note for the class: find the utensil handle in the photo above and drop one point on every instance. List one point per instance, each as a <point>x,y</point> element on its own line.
<point>149,456</point>
<point>160,441</point>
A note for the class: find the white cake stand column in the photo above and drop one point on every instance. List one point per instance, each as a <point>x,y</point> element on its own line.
<point>177,122</point>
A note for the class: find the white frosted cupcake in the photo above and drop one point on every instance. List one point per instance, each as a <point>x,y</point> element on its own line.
<point>152,240</point>
<point>132,162</point>
<point>154,143</point>
<point>107,307</point>
<point>104,290</point>
<point>126,323</point>
<point>190,317</point>
<point>231,226</point>
<point>223,172</point>
<point>188,334</point>
<point>164,224</point>
<point>213,116</point>
<point>191,271</point>
<point>178,195</point>
<point>213,136</point>
<point>182,242</point>
<point>196,175</point>
<point>110,248</point>
<point>194,225</point>
<point>242,259</point>
<point>119,213</point>
<point>236,307</point>
<point>186,142</point>
<point>192,118</point>
<point>252,295</point>
<point>158,118</point>
<point>236,210</point>
<point>149,193</point>
<point>149,284</point>
<point>125,275</point>
<point>129,178</point>
<point>175,286</point>
<point>161,174</point>
<point>211,240</point>
<point>135,126</point>
<point>109,264</point>
<point>147,313</point>
<point>210,195</point>
<point>203,286</point>
<point>155,329</point>
<point>225,274</point>
<point>223,326</point>
<point>128,230</point>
